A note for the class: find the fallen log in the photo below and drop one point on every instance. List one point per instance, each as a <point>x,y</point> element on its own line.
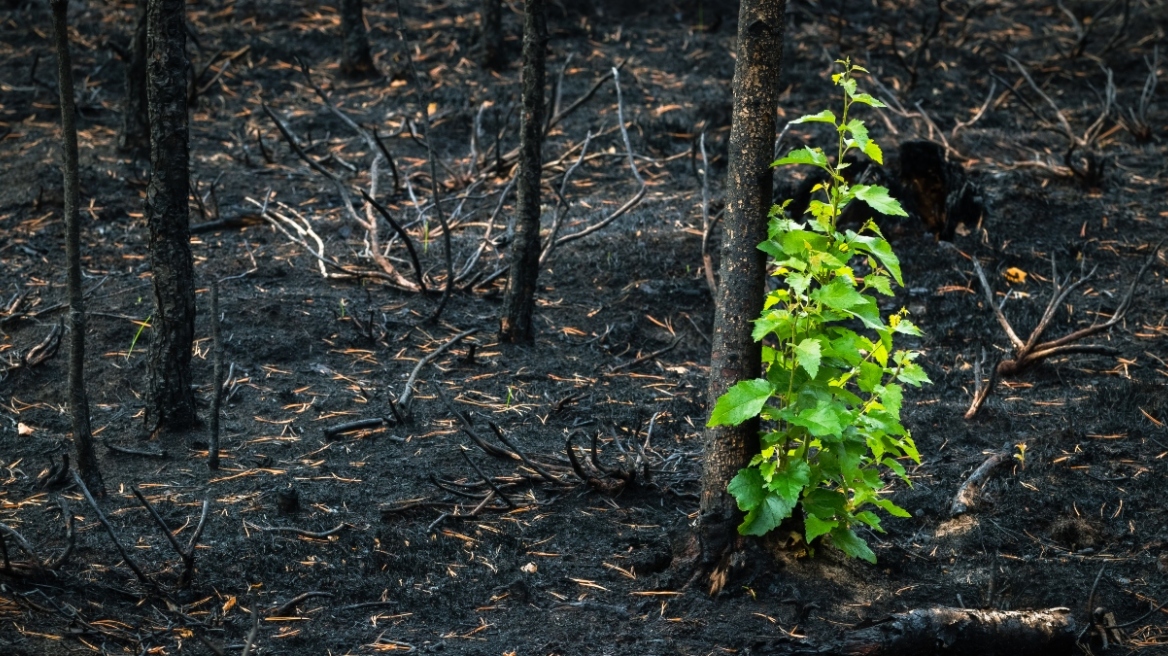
<point>965,632</point>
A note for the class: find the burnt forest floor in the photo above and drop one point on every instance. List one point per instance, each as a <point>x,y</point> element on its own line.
<point>623,321</point>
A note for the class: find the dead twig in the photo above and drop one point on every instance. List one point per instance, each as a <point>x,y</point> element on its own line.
<point>487,479</point>
<point>187,554</point>
<point>316,535</point>
<point>1135,120</point>
<point>1091,170</point>
<point>407,393</point>
<point>647,357</point>
<point>1028,353</point>
<point>967,494</point>
<point>642,187</point>
<point>292,603</point>
<point>423,101</point>
<point>113,535</point>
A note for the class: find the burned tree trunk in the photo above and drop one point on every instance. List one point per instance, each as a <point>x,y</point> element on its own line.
<point>78,402</point>
<point>734,354</point>
<point>170,402</point>
<point>355,58</point>
<point>134,134</point>
<point>492,34</point>
<point>519,299</point>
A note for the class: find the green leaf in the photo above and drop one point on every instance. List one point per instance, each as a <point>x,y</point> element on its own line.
<point>747,488</point>
<point>741,402</point>
<point>859,132</point>
<point>879,283</point>
<point>873,151</point>
<point>848,542</point>
<point>878,199</point>
<point>838,295</point>
<point>824,419</point>
<point>913,374</point>
<point>789,482</point>
<point>890,508</point>
<point>815,527</point>
<point>768,515</point>
<point>774,321</point>
<point>865,99</point>
<point>824,503</point>
<point>807,353</point>
<point>881,250</point>
<point>826,116</point>
<point>814,157</point>
<point>870,518</point>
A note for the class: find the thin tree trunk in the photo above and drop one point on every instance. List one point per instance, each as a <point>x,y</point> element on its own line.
<point>519,299</point>
<point>734,354</point>
<point>492,34</point>
<point>355,58</point>
<point>170,402</point>
<point>135,129</point>
<point>78,402</point>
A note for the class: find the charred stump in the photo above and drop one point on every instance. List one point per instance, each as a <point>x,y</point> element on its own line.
<point>170,401</point>
<point>78,401</point>
<point>735,356</point>
<point>937,189</point>
<point>355,58</point>
<point>519,298</point>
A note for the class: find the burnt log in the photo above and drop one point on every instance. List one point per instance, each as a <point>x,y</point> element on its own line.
<point>965,632</point>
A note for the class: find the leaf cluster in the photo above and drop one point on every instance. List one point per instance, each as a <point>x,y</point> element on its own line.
<point>833,386</point>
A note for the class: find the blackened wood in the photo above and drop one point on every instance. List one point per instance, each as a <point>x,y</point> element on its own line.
<point>735,356</point>
<point>492,34</point>
<point>78,401</point>
<point>170,400</point>
<point>355,58</point>
<point>134,134</point>
<point>965,632</point>
<point>519,299</point>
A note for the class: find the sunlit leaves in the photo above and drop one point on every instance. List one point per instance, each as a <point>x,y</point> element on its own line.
<point>831,398</point>
<point>741,402</point>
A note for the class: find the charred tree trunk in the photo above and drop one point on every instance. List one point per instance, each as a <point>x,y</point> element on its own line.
<point>492,34</point>
<point>519,299</point>
<point>135,130</point>
<point>734,354</point>
<point>355,58</point>
<point>170,402</point>
<point>78,402</point>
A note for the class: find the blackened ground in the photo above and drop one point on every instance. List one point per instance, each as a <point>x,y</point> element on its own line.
<point>572,571</point>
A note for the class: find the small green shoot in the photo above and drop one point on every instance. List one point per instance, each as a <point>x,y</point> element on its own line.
<point>833,388</point>
<point>142,325</point>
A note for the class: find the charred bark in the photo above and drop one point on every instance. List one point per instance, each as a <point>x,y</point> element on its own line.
<point>734,354</point>
<point>170,401</point>
<point>355,58</point>
<point>134,135</point>
<point>519,299</point>
<point>78,401</point>
<point>492,34</point>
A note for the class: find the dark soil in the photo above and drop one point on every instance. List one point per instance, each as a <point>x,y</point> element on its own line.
<point>571,570</point>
